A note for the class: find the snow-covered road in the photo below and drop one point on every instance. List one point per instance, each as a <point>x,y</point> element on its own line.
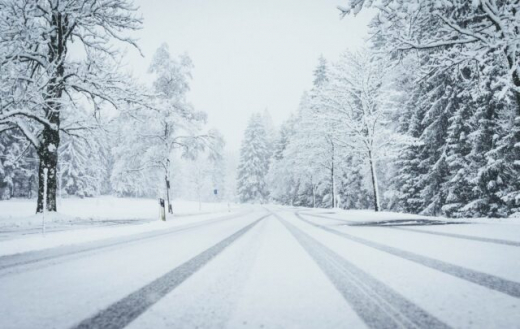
<point>273,267</point>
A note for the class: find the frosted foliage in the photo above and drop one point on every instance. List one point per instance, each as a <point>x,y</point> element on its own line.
<point>461,59</point>
<point>43,88</point>
<point>150,139</point>
<point>254,162</point>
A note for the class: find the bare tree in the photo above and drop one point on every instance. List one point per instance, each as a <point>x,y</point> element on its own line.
<point>353,104</point>
<point>150,137</point>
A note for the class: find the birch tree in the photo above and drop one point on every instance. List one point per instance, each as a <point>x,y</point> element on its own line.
<point>353,104</point>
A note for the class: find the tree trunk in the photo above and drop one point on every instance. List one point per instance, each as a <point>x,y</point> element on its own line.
<point>333,188</point>
<point>295,194</point>
<point>516,120</point>
<point>167,181</point>
<point>48,154</point>
<point>50,137</point>
<point>373,173</point>
<point>516,81</point>
<point>313,196</point>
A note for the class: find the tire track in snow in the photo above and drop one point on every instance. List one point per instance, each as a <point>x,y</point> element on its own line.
<point>6,235</point>
<point>11,262</point>
<point>378,305</point>
<point>124,311</point>
<point>211,296</point>
<point>462,236</point>
<point>451,235</point>
<point>331,218</point>
<point>489,281</point>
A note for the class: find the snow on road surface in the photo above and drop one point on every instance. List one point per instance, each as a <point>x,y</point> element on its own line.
<point>272,267</point>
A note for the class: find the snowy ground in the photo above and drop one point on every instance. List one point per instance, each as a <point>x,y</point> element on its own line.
<point>268,267</point>
<point>85,220</point>
<point>100,208</point>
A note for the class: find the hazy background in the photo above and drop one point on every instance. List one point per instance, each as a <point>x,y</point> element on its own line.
<point>248,55</point>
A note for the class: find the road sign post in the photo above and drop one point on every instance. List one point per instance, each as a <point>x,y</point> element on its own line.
<point>45,176</point>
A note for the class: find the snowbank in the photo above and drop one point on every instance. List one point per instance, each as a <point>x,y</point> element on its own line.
<point>20,212</point>
<point>370,215</point>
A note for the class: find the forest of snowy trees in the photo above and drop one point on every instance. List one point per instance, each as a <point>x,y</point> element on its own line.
<point>78,124</point>
<point>425,119</point>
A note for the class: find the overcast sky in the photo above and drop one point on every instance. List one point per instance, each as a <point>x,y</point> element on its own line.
<point>248,55</point>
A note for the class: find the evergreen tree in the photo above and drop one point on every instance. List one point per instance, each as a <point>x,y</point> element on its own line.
<point>353,191</point>
<point>438,105</point>
<point>17,167</point>
<point>492,157</point>
<point>254,162</point>
<point>458,185</point>
<point>82,168</point>
<point>406,181</point>
<point>281,178</point>
<point>321,73</point>
<point>271,132</point>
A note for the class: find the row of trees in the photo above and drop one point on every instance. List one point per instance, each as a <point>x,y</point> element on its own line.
<point>73,121</point>
<point>460,71</point>
<point>327,155</point>
<point>425,120</point>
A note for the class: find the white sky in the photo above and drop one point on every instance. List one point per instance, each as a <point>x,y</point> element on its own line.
<point>248,55</point>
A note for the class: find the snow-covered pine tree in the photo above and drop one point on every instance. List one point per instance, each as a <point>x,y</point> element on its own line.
<point>321,73</point>
<point>270,130</point>
<point>82,168</point>
<point>451,36</point>
<point>324,141</point>
<point>406,181</point>
<point>354,192</point>
<point>281,176</point>
<point>458,185</point>
<point>254,162</point>
<point>492,165</point>
<point>18,166</point>
<point>439,106</point>
<point>311,158</point>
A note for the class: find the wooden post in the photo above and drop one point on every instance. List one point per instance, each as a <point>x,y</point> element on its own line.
<point>162,210</point>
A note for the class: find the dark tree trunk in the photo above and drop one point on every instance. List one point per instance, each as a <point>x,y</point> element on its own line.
<point>333,196</point>
<point>295,194</point>
<point>374,181</point>
<point>516,80</point>
<point>50,138</point>
<point>48,154</point>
